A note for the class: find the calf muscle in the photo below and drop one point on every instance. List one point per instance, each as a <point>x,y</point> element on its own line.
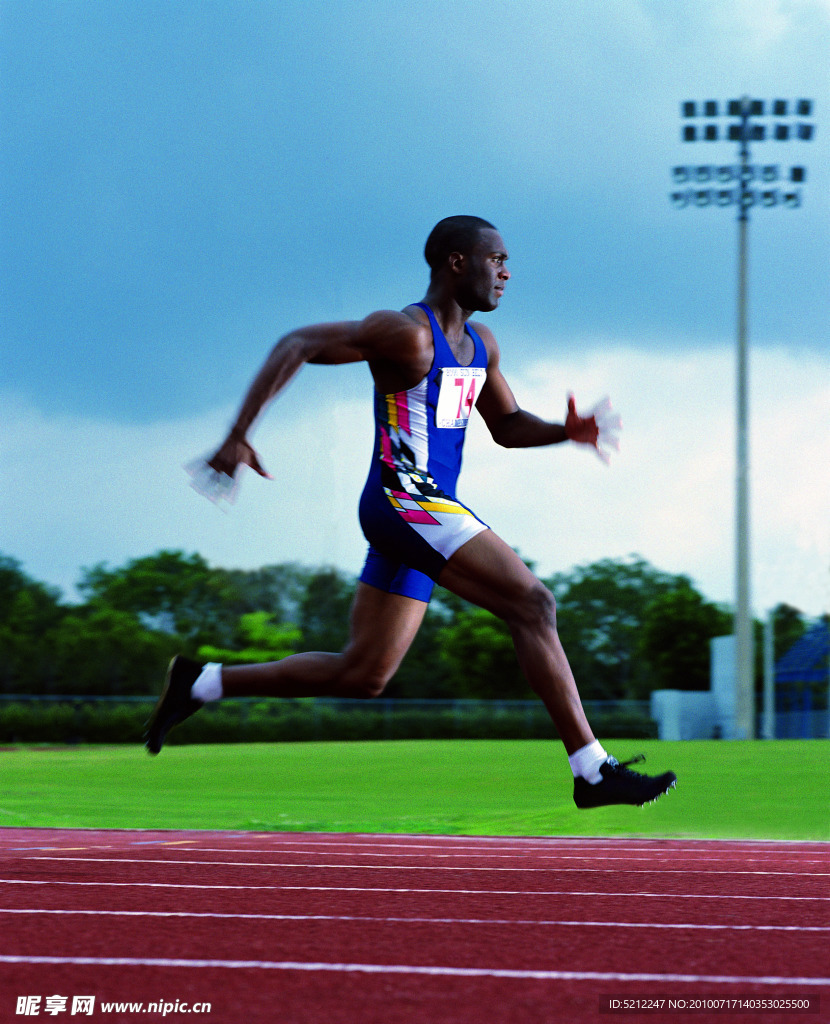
<point>490,574</point>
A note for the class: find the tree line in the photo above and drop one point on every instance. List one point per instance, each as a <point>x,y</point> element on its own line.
<point>628,628</point>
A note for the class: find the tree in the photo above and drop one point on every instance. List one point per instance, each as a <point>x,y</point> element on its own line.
<point>41,607</point>
<point>277,588</point>
<point>28,610</point>
<point>264,640</point>
<point>169,591</point>
<point>674,641</point>
<point>789,625</point>
<point>479,658</point>
<point>97,650</point>
<point>600,610</point>
<point>324,611</point>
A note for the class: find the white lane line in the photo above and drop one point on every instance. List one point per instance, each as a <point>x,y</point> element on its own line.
<point>750,849</point>
<point>366,852</point>
<point>101,846</point>
<point>439,971</point>
<point>410,838</point>
<point>429,840</point>
<point>363,919</point>
<point>549,851</point>
<point>423,867</point>
<point>379,889</point>
<point>788,846</point>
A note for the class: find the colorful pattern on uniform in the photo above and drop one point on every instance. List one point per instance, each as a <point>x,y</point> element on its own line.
<point>419,439</point>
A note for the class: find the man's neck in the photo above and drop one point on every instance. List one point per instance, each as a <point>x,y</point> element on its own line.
<point>449,314</point>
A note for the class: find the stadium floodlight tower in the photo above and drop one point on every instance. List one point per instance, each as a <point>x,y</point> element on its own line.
<point>743,185</point>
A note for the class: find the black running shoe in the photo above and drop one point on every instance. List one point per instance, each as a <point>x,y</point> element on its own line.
<point>622,786</point>
<point>175,703</point>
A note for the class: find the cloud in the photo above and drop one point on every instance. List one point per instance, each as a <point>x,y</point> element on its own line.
<point>669,495</point>
<point>82,490</point>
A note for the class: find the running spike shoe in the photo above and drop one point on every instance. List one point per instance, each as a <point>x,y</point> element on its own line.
<point>175,703</point>
<point>622,786</point>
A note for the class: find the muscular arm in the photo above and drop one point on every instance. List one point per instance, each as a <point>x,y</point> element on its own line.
<point>512,427</point>
<point>324,343</point>
<point>522,429</point>
<point>380,336</point>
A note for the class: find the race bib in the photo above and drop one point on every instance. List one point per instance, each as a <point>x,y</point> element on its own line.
<point>457,394</point>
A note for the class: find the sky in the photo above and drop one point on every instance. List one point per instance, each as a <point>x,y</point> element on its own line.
<point>183,182</point>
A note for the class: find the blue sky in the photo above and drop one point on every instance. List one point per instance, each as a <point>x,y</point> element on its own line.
<point>184,181</point>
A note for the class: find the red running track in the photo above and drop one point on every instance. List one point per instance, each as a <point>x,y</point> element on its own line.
<point>389,929</point>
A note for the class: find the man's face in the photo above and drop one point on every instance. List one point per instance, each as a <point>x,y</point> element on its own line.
<point>483,273</point>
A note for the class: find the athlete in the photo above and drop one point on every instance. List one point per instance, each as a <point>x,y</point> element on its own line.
<point>430,367</point>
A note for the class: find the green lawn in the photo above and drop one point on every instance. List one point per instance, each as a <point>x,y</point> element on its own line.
<point>478,787</point>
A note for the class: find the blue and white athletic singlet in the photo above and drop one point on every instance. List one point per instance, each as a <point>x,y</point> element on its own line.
<point>408,509</point>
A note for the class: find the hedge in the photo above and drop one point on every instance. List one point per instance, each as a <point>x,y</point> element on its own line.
<point>89,720</point>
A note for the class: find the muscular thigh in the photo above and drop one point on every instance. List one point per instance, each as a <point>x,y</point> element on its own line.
<point>488,572</point>
<point>383,627</point>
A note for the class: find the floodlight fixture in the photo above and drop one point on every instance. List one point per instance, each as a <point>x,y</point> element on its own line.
<point>702,123</point>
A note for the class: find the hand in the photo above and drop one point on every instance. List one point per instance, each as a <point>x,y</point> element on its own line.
<point>236,451</point>
<point>582,429</point>
<point>217,478</point>
<point>598,428</point>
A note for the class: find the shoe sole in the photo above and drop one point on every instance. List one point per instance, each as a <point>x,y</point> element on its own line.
<point>645,803</point>
<point>156,713</point>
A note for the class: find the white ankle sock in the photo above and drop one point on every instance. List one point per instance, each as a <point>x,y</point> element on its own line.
<point>209,684</point>
<point>585,762</point>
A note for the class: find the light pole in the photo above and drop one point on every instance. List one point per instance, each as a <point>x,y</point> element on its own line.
<point>747,120</point>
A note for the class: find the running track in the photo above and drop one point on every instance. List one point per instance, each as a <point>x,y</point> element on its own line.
<point>390,929</point>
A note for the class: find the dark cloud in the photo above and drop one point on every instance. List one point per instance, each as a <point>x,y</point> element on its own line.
<point>182,182</point>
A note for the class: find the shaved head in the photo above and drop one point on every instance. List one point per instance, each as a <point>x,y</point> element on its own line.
<point>453,234</point>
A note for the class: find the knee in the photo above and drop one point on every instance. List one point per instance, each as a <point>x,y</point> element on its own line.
<point>365,681</point>
<point>370,686</point>
<point>536,608</point>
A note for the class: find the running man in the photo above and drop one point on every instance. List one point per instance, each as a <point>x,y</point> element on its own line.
<point>430,367</point>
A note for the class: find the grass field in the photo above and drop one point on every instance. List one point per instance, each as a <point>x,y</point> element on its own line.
<point>770,790</point>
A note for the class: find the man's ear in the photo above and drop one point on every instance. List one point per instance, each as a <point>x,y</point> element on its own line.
<point>457,262</point>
